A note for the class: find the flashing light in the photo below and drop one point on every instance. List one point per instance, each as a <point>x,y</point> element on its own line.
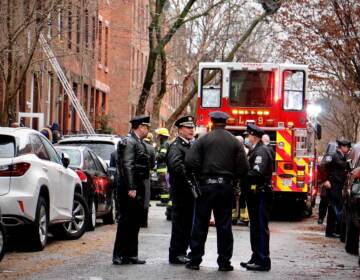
<point>241,112</point>
<point>235,112</point>
<point>290,124</point>
<point>266,113</point>
<point>253,113</point>
<point>260,113</point>
<point>246,112</point>
<point>231,121</point>
<point>313,110</point>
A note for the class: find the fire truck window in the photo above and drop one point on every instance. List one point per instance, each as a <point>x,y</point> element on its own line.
<point>294,82</point>
<point>251,89</point>
<point>211,86</point>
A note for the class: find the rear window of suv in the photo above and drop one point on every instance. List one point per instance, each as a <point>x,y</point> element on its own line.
<point>100,148</point>
<point>7,146</point>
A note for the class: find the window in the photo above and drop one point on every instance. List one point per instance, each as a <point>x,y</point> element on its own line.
<point>53,155</point>
<point>74,155</point>
<point>93,35</point>
<point>49,22</point>
<point>211,89</point>
<point>78,26</point>
<point>106,45</point>
<point>7,146</point>
<point>38,147</point>
<point>98,164</point>
<point>89,163</point>
<point>86,29</point>
<point>251,88</point>
<point>100,40</point>
<point>61,23</point>
<point>69,25</point>
<point>294,89</point>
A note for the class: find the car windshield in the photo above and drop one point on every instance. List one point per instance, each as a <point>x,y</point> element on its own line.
<point>251,89</point>
<point>74,155</point>
<point>7,146</point>
<point>101,149</point>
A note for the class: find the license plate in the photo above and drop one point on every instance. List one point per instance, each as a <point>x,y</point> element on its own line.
<point>286,182</point>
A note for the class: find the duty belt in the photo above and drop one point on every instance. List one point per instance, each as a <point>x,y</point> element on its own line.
<point>219,180</point>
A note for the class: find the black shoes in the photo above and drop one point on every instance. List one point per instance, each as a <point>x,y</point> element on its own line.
<point>179,260</point>
<point>121,261</point>
<point>226,268</point>
<point>192,266</point>
<point>244,264</point>
<point>332,235</point>
<point>257,267</point>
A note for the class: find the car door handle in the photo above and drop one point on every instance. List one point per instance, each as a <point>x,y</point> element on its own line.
<point>45,168</point>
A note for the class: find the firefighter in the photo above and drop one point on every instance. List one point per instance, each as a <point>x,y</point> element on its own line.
<point>218,159</point>
<point>259,198</point>
<point>182,199</point>
<point>161,168</point>
<point>134,165</point>
<point>334,170</point>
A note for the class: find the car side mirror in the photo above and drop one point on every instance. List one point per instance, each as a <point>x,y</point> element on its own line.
<point>65,160</point>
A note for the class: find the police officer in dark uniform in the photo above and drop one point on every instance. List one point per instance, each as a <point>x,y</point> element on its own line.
<point>182,199</point>
<point>334,169</point>
<point>133,162</point>
<point>217,159</point>
<point>259,200</point>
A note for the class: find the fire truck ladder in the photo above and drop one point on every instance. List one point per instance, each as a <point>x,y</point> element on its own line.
<point>66,85</point>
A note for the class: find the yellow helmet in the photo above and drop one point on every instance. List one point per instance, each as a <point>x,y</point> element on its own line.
<point>163,131</point>
<point>149,137</point>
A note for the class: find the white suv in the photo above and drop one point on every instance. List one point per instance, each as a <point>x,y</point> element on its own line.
<point>37,189</point>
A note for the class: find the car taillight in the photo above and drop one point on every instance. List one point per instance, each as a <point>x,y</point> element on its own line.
<point>14,170</point>
<point>82,176</point>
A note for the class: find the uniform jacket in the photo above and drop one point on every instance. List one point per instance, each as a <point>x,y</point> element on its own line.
<point>216,154</point>
<point>175,161</point>
<point>161,153</point>
<point>135,162</point>
<point>261,166</point>
<point>333,167</point>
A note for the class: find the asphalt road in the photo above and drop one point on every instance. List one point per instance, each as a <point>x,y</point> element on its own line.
<point>299,250</point>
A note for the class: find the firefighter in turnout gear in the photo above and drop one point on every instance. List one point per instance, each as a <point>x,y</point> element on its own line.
<point>161,168</point>
<point>182,199</point>
<point>217,159</point>
<point>334,170</point>
<point>134,167</point>
<point>259,198</point>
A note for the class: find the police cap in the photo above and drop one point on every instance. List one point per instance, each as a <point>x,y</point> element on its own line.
<point>142,119</point>
<point>344,142</point>
<point>253,129</point>
<point>218,117</point>
<point>187,121</point>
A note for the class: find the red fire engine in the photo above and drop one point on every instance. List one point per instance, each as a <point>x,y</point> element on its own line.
<point>274,97</point>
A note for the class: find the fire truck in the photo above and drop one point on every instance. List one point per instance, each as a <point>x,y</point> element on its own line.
<point>274,97</point>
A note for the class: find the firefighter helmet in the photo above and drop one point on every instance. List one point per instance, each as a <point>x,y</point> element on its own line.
<point>163,131</point>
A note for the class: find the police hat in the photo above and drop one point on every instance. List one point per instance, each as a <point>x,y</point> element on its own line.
<point>187,121</point>
<point>218,117</point>
<point>344,142</point>
<point>137,120</point>
<point>253,129</point>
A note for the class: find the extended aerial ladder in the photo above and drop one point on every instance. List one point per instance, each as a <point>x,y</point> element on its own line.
<point>66,85</point>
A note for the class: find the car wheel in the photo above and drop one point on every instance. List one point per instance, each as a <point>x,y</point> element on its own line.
<point>110,217</point>
<point>77,226</point>
<point>38,231</point>
<point>92,216</point>
<point>2,241</point>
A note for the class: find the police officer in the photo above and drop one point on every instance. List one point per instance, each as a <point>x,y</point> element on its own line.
<point>161,168</point>
<point>259,200</point>
<point>334,170</point>
<point>182,199</point>
<point>133,161</point>
<point>217,159</point>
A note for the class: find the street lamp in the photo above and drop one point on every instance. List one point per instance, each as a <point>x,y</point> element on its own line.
<point>313,110</point>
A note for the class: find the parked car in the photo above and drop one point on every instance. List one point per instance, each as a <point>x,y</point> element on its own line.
<point>352,205</point>
<point>2,238</point>
<point>37,189</point>
<point>101,144</point>
<point>98,193</point>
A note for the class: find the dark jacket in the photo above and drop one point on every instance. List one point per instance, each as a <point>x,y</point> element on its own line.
<point>161,153</point>
<point>175,161</point>
<point>135,162</point>
<point>261,166</point>
<point>333,167</point>
<point>217,153</point>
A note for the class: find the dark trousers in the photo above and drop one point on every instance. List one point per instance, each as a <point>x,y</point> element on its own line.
<point>181,218</point>
<point>216,197</point>
<point>259,206</point>
<point>324,202</point>
<point>333,222</point>
<point>131,215</point>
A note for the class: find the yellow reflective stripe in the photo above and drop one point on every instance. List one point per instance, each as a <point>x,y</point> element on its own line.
<point>163,150</point>
<point>164,196</point>
<point>162,170</point>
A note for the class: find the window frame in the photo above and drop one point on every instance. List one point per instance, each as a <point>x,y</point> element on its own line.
<point>303,90</point>
<point>201,87</point>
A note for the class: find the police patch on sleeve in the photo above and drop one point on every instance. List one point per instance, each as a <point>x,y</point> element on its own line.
<point>328,158</point>
<point>257,168</point>
<point>258,160</point>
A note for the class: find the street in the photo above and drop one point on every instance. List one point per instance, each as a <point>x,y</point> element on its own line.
<point>299,250</point>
